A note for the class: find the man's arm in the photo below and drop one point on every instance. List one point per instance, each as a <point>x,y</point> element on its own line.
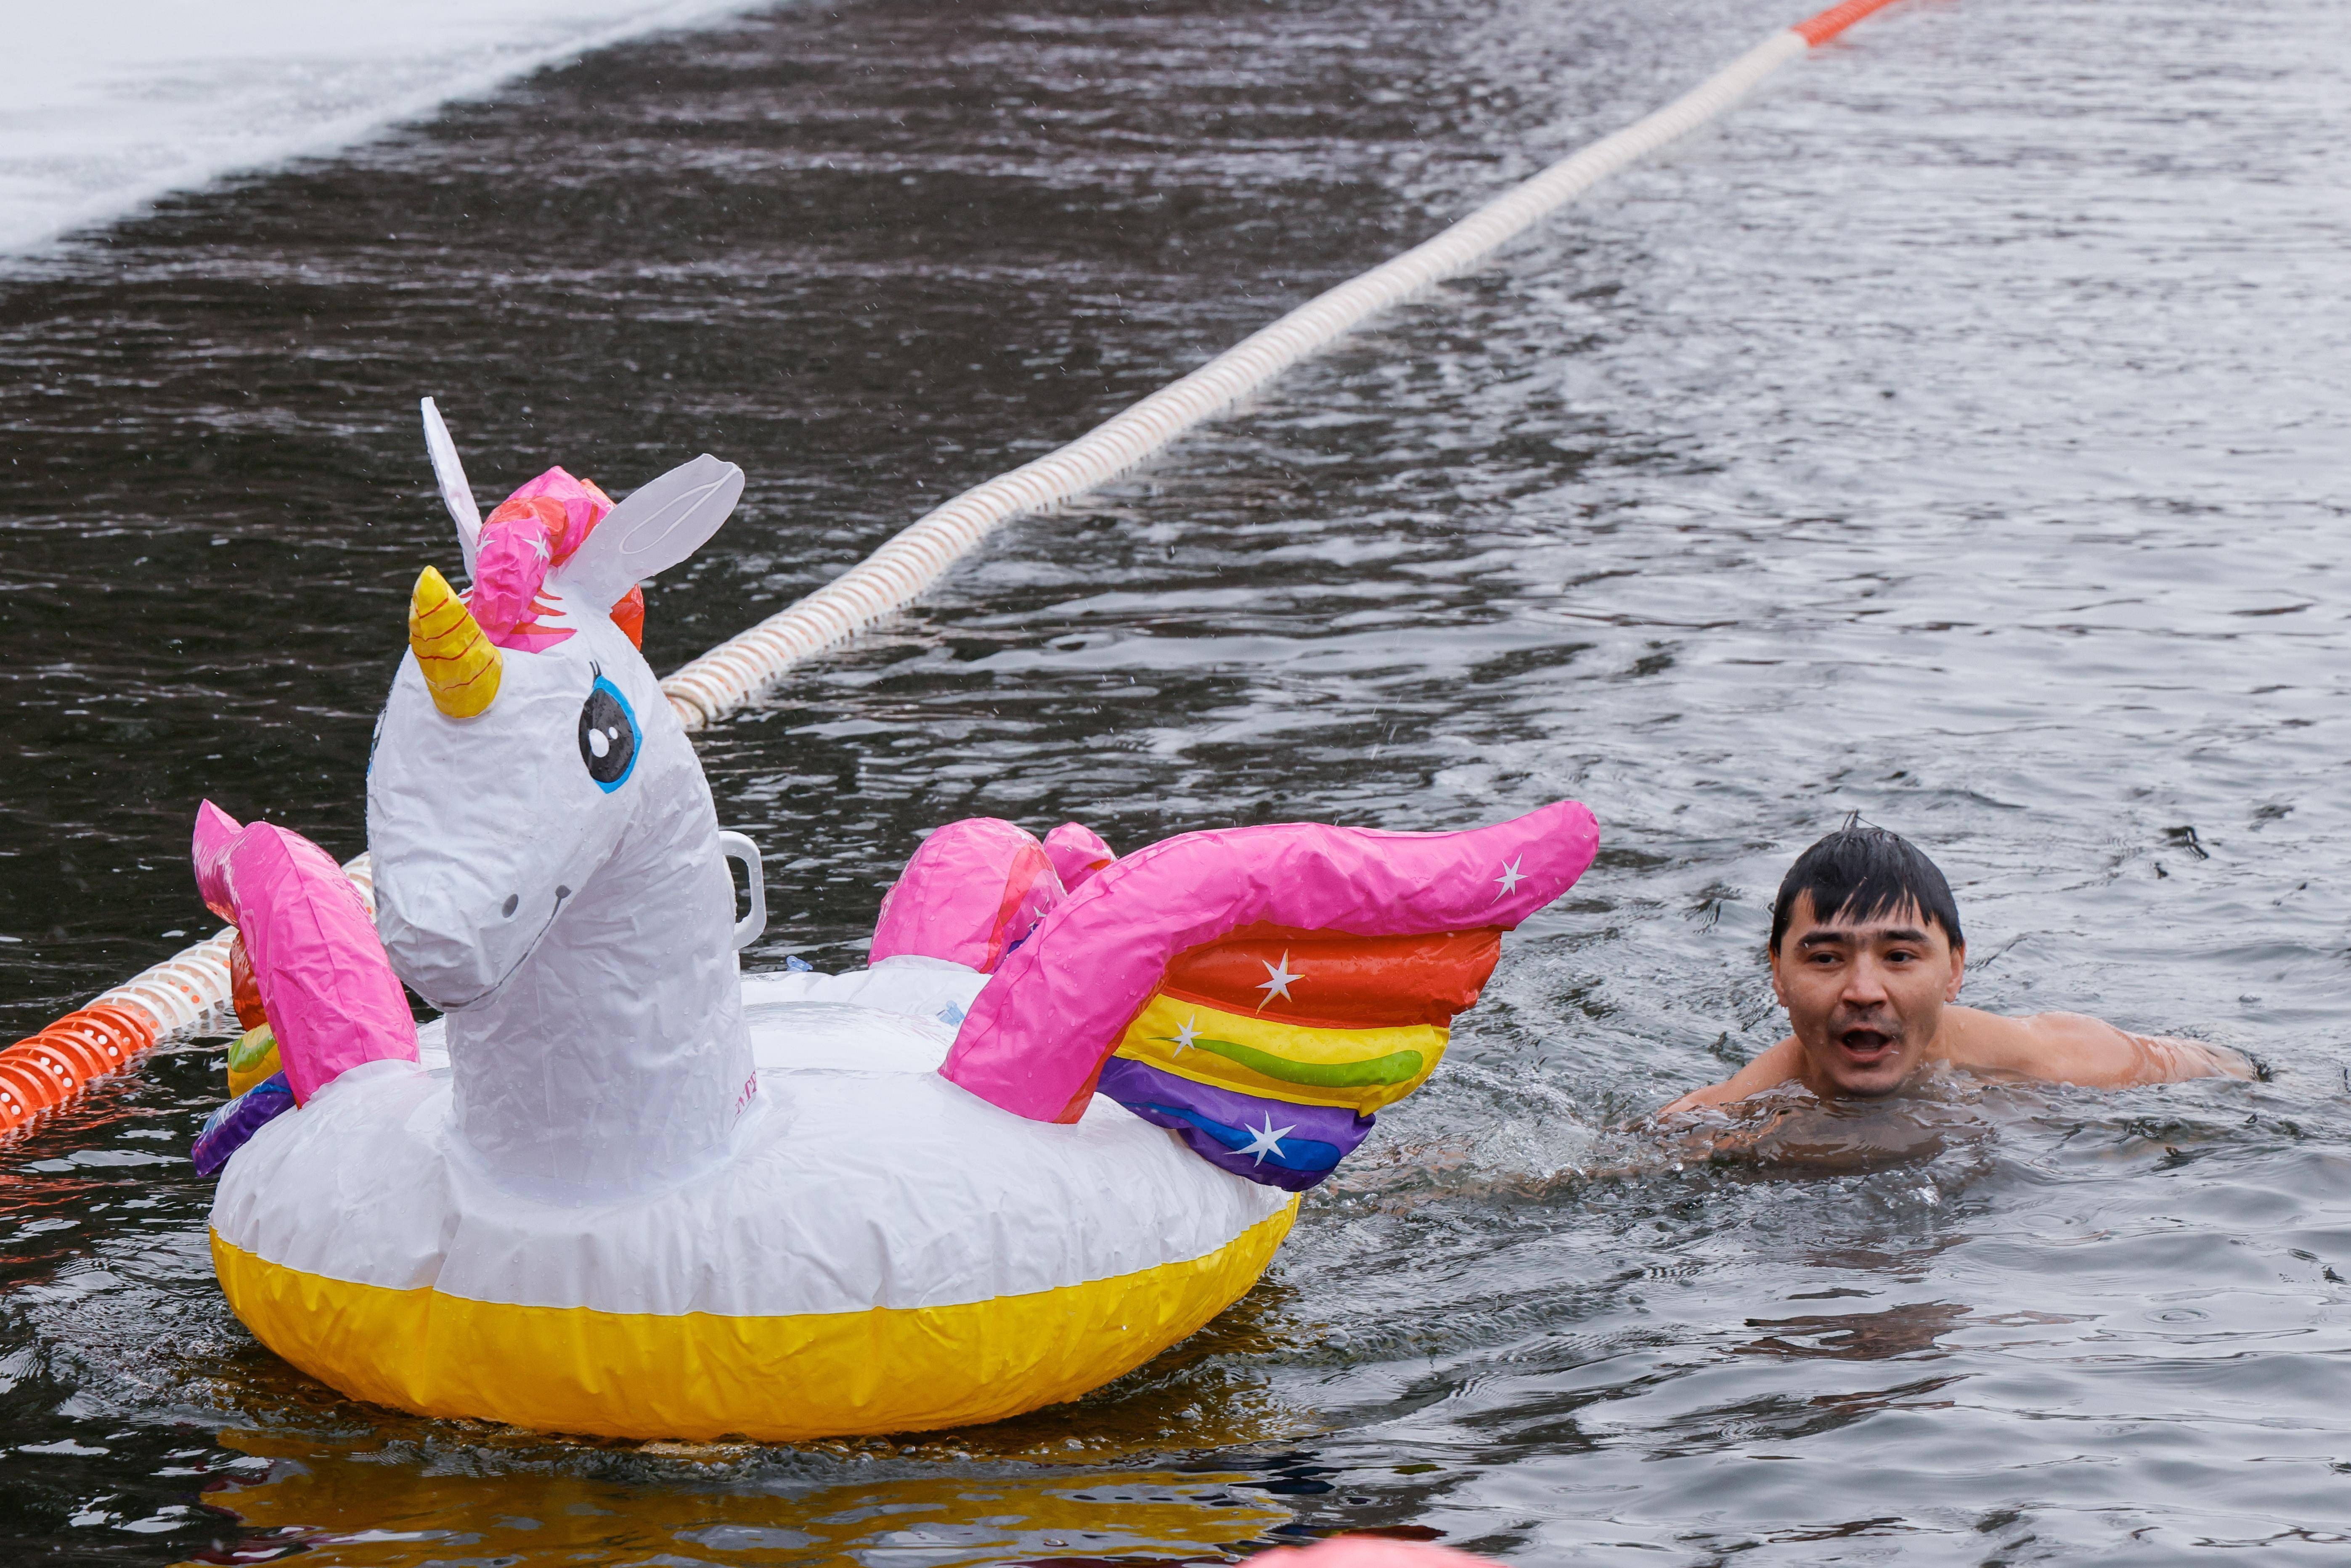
<point>2072,1048</point>
<point>1778,1064</point>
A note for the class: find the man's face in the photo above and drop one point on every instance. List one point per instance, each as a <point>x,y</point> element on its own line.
<point>1864,998</point>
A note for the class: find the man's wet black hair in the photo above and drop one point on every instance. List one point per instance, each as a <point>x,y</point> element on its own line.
<point>1865,872</point>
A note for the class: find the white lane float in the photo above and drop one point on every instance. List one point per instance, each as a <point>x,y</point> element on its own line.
<point>1057,1126</point>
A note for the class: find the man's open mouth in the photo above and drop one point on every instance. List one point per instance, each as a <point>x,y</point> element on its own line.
<point>1866,1045</point>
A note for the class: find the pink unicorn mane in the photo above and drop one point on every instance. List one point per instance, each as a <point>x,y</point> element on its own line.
<point>533,531</point>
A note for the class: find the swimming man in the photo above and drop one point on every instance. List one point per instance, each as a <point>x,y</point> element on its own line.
<point>1867,957</point>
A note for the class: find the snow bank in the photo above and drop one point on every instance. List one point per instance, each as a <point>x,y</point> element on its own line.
<point>106,104</point>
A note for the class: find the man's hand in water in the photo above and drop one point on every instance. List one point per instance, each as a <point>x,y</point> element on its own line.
<point>1870,1001</point>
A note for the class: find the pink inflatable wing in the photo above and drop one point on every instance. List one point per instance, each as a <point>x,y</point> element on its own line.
<point>1311,970</point>
<point>325,982</point>
<point>1077,853</point>
<point>971,894</point>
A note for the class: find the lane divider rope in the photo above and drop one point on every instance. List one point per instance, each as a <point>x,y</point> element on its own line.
<point>895,575</point>
<point>167,998</point>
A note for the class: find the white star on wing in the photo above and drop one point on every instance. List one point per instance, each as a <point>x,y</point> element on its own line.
<point>1276,983</point>
<point>1182,1038</point>
<point>1266,1140</point>
<point>1511,876</point>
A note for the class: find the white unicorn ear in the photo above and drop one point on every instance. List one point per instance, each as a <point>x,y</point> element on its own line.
<point>658,525</point>
<point>455,494</point>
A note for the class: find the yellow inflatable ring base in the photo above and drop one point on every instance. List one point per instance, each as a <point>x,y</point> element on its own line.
<point>701,1376</point>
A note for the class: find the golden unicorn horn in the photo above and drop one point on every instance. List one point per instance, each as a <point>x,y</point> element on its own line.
<point>460,664</point>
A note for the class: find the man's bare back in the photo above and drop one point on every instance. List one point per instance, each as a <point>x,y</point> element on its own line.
<point>1867,958</point>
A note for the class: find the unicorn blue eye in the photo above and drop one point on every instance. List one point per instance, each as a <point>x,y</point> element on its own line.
<point>608,736</point>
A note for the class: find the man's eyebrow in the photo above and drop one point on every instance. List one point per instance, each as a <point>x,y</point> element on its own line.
<point>1824,933</point>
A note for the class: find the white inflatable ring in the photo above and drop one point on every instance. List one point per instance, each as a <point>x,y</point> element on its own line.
<point>881,1252</point>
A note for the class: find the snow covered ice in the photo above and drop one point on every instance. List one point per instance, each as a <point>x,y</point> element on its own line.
<point>106,104</point>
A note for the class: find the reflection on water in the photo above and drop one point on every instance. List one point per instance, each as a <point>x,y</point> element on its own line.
<point>1954,436</point>
<point>1789,1133</point>
<point>1859,1336</point>
<point>392,1506</point>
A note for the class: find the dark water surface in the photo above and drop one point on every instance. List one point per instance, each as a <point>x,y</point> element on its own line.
<point>1957,434</point>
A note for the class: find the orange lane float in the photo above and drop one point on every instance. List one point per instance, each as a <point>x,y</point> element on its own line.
<point>1819,30</point>
<point>56,1065</point>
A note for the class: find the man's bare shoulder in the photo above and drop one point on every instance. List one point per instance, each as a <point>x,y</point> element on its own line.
<point>2074,1048</point>
<point>1996,1046</point>
<point>1780,1063</point>
<point>2049,1047</point>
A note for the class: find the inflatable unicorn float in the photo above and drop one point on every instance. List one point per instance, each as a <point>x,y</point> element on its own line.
<point>1060,1123</point>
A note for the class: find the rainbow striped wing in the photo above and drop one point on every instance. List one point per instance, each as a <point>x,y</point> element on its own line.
<point>1263,991</point>
<point>1269,1052</point>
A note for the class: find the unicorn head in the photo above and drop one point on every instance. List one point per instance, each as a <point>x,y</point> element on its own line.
<point>547,869</point>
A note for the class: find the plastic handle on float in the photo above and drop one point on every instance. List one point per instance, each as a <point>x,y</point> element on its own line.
<point>739,847</point>
<point>455,494</point>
